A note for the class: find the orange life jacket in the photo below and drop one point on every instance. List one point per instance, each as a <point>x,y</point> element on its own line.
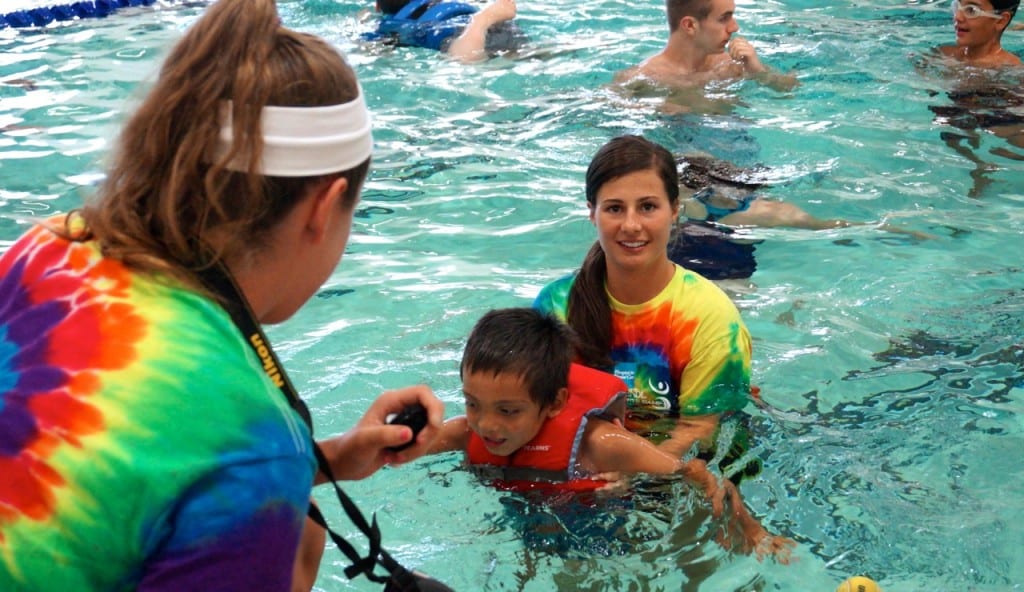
<point>549,461</point>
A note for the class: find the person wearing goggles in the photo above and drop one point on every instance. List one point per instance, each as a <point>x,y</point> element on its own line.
<point>979,28</point>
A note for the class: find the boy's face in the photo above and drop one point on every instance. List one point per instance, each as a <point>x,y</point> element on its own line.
<point>500,410</point>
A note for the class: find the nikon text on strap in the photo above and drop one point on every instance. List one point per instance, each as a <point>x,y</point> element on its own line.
<point>218,279</point>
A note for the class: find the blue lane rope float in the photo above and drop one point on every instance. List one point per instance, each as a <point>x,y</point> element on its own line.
<point>41,16</point>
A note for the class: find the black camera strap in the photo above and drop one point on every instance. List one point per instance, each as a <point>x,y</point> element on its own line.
<point>218,279</point>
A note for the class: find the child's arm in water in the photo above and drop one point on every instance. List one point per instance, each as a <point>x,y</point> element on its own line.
<point>454,435</point>
<point>609,448</point>
<point>740,525</point>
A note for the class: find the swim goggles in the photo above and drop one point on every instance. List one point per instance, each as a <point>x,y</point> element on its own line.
<point>973,11</point>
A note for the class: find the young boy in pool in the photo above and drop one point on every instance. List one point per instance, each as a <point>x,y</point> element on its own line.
<point>461,30</point>
<point>979,28</point>
<point>535,420</point>
<point>983,101</point>
<point>701,48</point>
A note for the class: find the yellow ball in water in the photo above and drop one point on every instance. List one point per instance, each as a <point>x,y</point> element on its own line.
<point>858,584</point>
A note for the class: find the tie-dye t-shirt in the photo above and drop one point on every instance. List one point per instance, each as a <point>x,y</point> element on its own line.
<point>684,351</point>
<point>141,445</point>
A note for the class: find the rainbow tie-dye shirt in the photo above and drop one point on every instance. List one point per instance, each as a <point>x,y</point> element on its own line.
<point>684,351</point>
<point>141,445</point>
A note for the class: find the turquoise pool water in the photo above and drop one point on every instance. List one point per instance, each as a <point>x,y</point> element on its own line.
<point>894,368</point>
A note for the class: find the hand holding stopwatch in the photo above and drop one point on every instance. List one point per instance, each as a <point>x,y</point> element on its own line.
<point>414,416</point>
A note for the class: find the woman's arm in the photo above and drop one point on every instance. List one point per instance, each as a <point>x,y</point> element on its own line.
<point>688,430</point>
<point>752,537</point>
<point>359,452</point>
<point>307,558</point>
<point>609,448</point>
<point>716,375</point>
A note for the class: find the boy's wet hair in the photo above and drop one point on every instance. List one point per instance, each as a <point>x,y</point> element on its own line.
<point>527,343</point>
<point>1008,6</point>
<point>391,6</point>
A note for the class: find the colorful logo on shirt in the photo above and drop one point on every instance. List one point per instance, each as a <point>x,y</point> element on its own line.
<point>637,400</point>
<point>650,387</point>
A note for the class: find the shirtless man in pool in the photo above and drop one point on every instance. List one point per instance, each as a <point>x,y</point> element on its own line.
<point>701,48</point>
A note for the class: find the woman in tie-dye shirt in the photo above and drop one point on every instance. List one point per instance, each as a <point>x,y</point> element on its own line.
<point>142,444</point>
<point>672,335</point>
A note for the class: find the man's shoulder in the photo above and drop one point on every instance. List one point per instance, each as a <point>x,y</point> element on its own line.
<point>656,67</point>
<point>660,71</point>
<point>626,75</point>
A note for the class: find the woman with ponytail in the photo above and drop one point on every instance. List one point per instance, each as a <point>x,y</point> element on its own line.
<point>673,336</point>
<point>148,436</point>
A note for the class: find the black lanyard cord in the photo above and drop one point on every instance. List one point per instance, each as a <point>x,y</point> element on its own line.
<point>360,565</point>
<point>218,279</point>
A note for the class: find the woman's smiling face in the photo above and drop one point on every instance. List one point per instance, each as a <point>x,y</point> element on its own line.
<point>634,219</point>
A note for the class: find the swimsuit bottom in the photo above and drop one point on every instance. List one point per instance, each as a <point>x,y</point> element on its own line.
<point>707,249</point>
<point>981,108</point>
<point>966,119</point>
<point>503,37</point>
<point>720,204</point>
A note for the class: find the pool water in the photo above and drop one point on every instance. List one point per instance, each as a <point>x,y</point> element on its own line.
<point>893,368</point>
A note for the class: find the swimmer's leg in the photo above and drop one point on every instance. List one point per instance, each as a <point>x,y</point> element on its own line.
<point>775,214</point>
<point>772,214</point>
<point>1006,153</point>
<point>980,181</point>
<point>470,45</point>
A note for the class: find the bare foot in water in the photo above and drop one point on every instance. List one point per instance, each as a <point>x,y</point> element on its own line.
<point>470,45</point>
<point>497,12</point>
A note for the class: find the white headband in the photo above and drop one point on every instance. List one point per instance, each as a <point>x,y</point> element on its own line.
<point>305,141</point>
